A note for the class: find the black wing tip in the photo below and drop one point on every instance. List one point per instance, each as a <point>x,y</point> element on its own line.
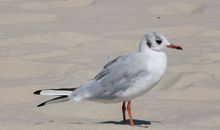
<point>42,104</point>
<point>37,92</point>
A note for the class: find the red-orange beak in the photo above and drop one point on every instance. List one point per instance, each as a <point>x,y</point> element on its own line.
<point>175,46</point>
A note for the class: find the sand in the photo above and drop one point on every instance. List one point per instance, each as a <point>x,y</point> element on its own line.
<point>63,43</point>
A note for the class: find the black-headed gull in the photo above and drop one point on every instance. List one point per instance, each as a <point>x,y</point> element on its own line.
<point>122,79</point>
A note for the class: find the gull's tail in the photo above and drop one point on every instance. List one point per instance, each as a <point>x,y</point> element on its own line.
<point>63,94</point>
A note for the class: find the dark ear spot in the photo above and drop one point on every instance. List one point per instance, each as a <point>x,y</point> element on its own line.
<point>149,44</point>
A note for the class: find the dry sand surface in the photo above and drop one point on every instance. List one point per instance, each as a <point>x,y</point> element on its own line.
<point>63,43</point>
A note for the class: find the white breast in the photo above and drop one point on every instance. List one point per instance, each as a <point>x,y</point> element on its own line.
<point>156,64</point>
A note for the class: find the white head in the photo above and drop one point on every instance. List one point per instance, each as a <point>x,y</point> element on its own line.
<point>155,42</point>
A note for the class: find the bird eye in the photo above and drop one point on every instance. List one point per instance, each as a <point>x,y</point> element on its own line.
<point>158,42</point>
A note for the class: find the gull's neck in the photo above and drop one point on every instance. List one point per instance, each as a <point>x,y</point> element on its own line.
<point>157,58</point>
<point>144,48</point>
<point>152,53</point>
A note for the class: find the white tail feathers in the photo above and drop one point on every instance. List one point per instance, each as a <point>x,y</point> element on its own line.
<point>55,92</point>
<point>63,94</point>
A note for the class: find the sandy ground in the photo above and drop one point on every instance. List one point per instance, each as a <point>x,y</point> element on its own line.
<point>63,43</point>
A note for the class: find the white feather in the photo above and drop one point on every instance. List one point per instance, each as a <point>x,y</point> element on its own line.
<point>54,92</point>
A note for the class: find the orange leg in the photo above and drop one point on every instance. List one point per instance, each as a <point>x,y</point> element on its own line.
<point>123,112</point>
<point>130,114</point>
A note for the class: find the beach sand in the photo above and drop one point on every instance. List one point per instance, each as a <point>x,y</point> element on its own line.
<point>63,43</point>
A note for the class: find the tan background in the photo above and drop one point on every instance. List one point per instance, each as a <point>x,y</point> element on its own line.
<point>63,43</point>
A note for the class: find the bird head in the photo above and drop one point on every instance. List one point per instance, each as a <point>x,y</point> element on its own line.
<point>156,42</point>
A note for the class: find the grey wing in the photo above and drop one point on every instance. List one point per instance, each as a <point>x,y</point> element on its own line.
<point>101,74</point>
<point>111,62</point>
<point>94,88</point>
<point>117,76</point>
<point>105,70</point>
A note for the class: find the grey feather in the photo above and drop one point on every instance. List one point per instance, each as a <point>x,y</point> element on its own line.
<point>101,74</point>
<point>105,70</point>
<point>111,82</point>
<point>111,62</point>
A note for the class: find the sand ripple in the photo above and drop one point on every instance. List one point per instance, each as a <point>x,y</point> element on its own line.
<point>55,4</point>
<point>26,18</point>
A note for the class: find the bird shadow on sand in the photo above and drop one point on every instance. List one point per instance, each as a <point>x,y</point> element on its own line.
<point>136,122</point>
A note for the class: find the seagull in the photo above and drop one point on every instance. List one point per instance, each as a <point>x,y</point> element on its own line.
<point>122,79</point>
